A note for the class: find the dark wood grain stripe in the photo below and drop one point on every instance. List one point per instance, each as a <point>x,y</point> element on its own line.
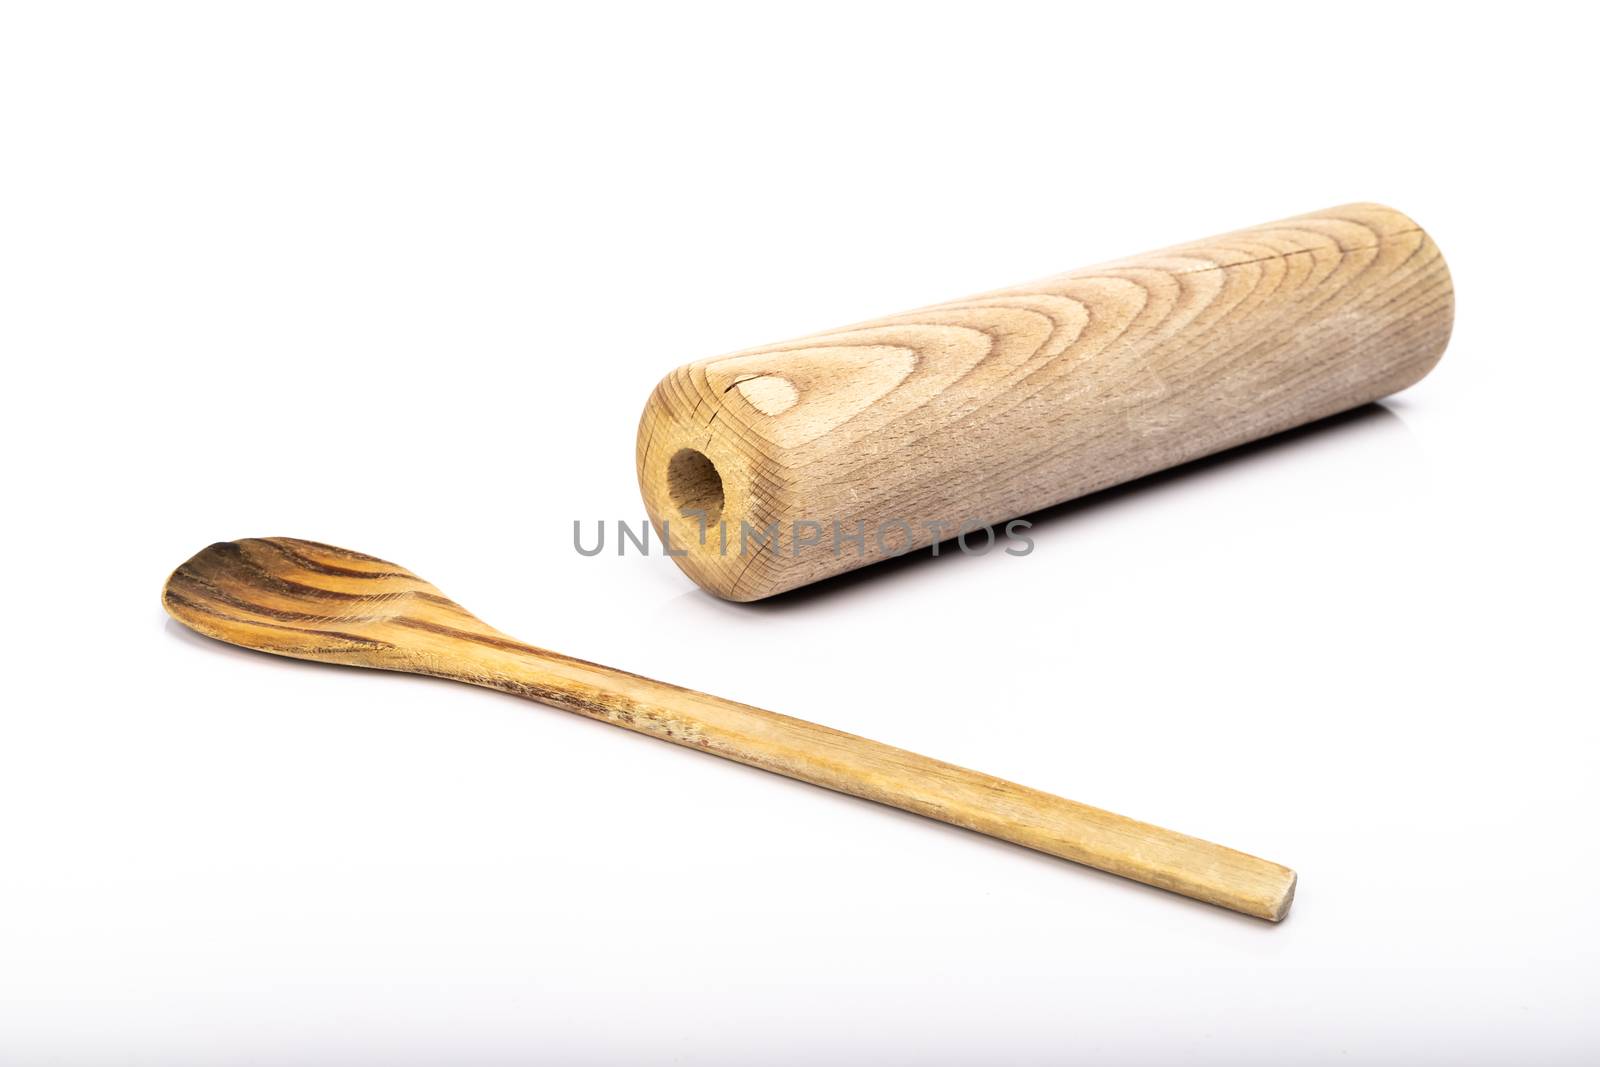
<point>207,589</point>
<point>279,545</point>
<point>188,605</point>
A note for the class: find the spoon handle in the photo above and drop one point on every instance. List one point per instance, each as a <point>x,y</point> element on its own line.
<point>854,765</point>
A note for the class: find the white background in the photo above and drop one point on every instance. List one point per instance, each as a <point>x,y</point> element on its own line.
<point>401,277</point>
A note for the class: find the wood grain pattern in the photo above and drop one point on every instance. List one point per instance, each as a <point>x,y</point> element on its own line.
<point>312,601</point>
<point>979,410</point>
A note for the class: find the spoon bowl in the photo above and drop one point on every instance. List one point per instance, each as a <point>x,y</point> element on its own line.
<point>310,601</point>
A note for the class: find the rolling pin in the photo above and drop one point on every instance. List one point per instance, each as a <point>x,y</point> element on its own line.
<point>779,466</point>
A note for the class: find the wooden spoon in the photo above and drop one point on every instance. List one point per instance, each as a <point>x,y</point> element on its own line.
<point>312,601</point>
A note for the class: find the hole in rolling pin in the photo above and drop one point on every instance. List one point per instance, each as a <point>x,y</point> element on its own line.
<point>694,485</point>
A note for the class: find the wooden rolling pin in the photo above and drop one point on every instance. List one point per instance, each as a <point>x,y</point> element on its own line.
<point>775,467</point>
